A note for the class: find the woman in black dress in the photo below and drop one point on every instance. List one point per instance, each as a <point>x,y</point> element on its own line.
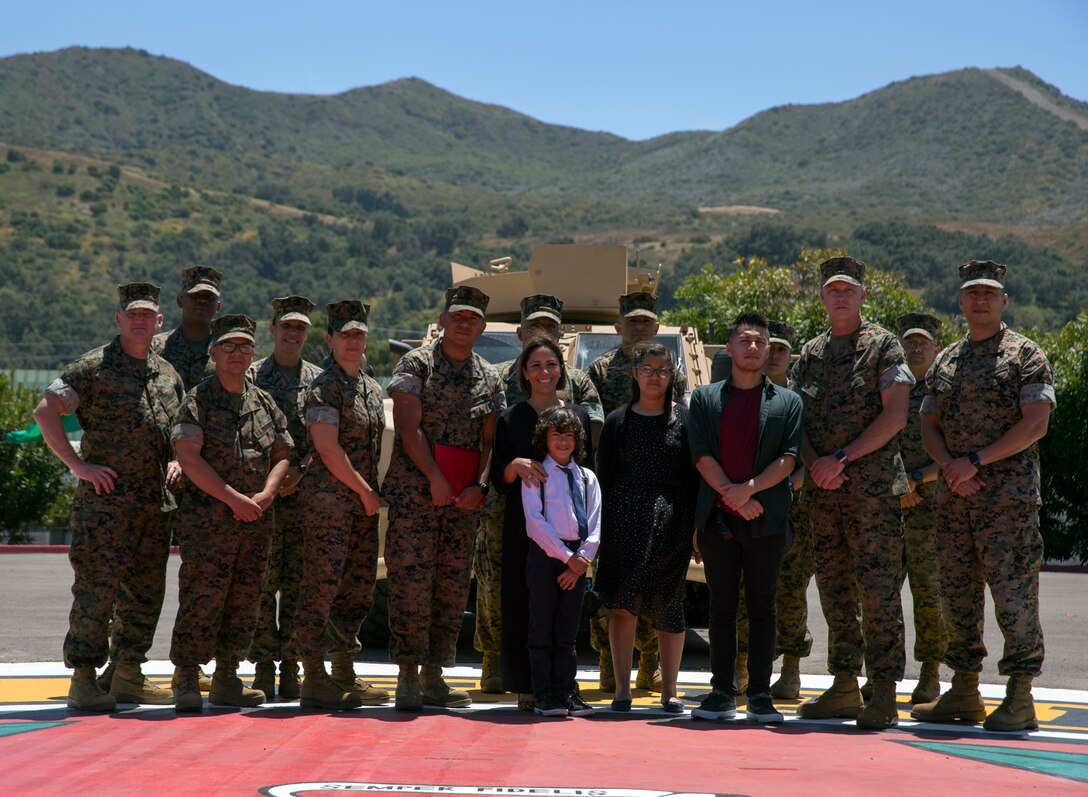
<point>541,374</point>
<point>648,487</point>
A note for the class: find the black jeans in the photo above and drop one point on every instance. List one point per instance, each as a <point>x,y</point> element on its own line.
<point>726,561</point>
<point>554,614</point>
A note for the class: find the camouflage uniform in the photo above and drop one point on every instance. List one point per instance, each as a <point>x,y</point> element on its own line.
<point>919,523</point>
<point>611,375</point>
<point>223,559</point>
<point>341,541</point>
<point>189,359</point>
<point>857,530</point>
<point>120,539</point>
<point>274,637</point>
<point>428,549</point>
<point>976,390</point>
<point>487,560</point>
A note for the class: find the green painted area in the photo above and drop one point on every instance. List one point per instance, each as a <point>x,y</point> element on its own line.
<point>1073,766</point>
<point>12,728</point>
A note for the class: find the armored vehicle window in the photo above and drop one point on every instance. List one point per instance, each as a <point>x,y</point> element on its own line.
<point>498,347</point>
<point>592,345</point>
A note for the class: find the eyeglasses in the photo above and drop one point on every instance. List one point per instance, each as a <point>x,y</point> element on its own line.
<point>244,348</point>
<point>647,372</point>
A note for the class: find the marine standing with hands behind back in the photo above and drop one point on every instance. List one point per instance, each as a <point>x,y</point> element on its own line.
<point>445,402</point>
<point>345,418</point>
<point>125,397</point>
<point>233,445</point>
<point>284,376</point>
<point>988,403</point>
<point>186,347</point>
<point>855,386</point>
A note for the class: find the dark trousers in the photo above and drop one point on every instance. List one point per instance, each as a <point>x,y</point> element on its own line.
<point>554,613</point>
<point>755,562</point>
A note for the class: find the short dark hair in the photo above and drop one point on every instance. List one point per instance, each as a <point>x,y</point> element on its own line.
<point>752,318</point>
<point>563,420</point>
<point>652,348</point>
<point>532,343</point>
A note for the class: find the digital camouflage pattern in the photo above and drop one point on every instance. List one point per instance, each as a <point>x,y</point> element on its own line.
<point>341,541</point>
<point>857,530</point>
<point>120,541</point>
<point>429,550</point>
<point>976,389</point>
<point>223,559</point>
<point>791,596</point>
<point>138,296</point>
<point>189,359</point>
<point>611,375</point>
<point>487,558</point>
<point>201,278</point>
<point>920,543</point>
<point>841,395</point>
<point>274,637</point>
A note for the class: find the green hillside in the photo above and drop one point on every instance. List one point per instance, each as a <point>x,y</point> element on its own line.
<point>118,165</point>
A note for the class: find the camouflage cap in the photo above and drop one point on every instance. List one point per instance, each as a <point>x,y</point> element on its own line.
<point>465,297</point>
<point>842,269</point>
<point>236,325</point>
<point>201,278</point>
<point>347,315</point>
<point>292,308</point>
<point>541,305</point>
<point>781,332</point>
<point>918,324</point>
<point>638,303</point>
<point>138,295</point>
<point>982,272</point>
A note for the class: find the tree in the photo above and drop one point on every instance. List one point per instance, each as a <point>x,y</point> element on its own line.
<point>33,489</point>
<point>1064,514</point>
<point>787,293</point>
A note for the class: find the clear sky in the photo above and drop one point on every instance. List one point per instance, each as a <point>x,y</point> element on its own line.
<point>634,68</point>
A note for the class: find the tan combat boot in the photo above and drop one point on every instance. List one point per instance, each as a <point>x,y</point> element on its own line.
<point>929,683</point>
<point>265,678</point>
<point>187,690</point>
<point>85,695</point>
<point>436,692</point>
<point>320,691</point>
<point>843,699</point>
<point>1017,710</point>
<point>290,688</point>
<point>788,685</point>
<point>881,711</point>
<point>408,697</point>
<point>343,675</point>
<point>132,686</point>
<point>491,675</point>
<point>203,680</point>
<point>961,702</point>
<point>228,689</point>
<point>608,674</point>
<point>105,680</point>
<point>648,676</point>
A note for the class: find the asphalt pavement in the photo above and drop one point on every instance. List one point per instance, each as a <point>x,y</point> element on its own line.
<point>35,598</point>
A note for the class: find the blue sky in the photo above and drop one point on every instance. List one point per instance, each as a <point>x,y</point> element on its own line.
<point>638,69</point>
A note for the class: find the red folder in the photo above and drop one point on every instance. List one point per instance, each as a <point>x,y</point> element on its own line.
<point>460,466</point>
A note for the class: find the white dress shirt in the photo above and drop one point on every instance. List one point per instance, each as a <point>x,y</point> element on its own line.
<point>548,526</point>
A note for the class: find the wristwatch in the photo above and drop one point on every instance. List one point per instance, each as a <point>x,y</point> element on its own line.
<point>974,458</point>
<point>485,488</point>
<point>916,476</point>
<point>840,455</point>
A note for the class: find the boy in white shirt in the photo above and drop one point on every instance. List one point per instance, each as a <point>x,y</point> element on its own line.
<point>563,519</point>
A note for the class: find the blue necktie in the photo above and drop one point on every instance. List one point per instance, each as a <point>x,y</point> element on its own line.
<point>579,504</point>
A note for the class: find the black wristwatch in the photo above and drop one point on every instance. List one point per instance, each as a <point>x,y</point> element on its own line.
<point>840,455</point>
<point>916,476</point>
<point>485,488</point>
<point>974,459</point>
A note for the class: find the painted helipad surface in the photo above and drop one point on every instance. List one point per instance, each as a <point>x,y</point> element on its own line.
<point>492,749</point>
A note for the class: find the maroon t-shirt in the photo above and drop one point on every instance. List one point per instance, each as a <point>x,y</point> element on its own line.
<point>739,436</point>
